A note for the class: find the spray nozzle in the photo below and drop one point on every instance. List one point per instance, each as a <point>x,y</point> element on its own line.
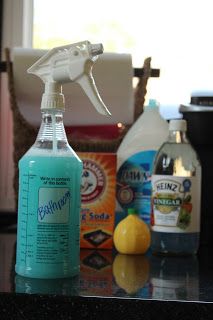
<point>71,63</point>
<point>96,49</point>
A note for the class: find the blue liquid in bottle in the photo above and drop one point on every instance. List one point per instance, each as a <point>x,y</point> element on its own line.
<point>49,204</point>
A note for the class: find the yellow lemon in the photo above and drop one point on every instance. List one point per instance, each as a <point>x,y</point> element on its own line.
<point>132,235</point>
<point>131,272</point>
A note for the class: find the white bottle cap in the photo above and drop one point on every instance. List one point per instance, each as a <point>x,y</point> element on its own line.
<point>177,125</point>
<point>153,104</point>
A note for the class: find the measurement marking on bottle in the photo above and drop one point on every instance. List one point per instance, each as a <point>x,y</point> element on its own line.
<point>25,208</point>
<point>26,238</point>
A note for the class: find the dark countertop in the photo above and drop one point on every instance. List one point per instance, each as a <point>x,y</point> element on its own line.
<point>110,286</point>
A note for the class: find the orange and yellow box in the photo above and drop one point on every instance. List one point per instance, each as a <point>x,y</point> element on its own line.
<point>97,200</point>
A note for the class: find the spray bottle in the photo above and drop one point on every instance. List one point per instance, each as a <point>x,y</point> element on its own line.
<point>50,171</point>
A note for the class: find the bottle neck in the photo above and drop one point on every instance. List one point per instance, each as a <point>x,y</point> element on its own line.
<point>178,137</point>
<point>51,133</point>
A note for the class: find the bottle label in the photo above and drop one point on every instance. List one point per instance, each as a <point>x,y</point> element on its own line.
<point>53,205</point>
<point>134,183</point>
<point>175,204</point>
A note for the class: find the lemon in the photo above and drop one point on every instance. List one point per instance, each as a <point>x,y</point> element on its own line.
<point>132,235</point>
<point>131,272</point>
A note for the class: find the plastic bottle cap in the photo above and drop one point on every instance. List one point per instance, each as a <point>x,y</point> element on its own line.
<point>177,125</point>
<point>153,104</point>
<point>132,211</point>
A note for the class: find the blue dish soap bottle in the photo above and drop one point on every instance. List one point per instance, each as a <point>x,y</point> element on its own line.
<point>135,157</point>
<point>50,172</point>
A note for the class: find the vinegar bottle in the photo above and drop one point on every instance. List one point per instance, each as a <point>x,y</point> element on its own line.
<point>176,192</point>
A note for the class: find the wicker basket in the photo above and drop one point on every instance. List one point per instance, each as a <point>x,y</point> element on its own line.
<point>24,134</point>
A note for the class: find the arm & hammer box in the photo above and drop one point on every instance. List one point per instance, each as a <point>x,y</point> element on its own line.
<point>97,200</point>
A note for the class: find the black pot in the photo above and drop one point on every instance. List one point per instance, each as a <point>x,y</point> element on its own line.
<point>199,117</point>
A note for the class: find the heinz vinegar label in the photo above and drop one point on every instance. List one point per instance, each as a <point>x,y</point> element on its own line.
<point>175,204</point>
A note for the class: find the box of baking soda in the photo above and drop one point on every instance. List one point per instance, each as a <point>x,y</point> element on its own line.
<point>97,200</point>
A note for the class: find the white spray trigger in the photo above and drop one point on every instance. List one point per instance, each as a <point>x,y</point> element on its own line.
<point>87,83</point>
<point>71,63</point>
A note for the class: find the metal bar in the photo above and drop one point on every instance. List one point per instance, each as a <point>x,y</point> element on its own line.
<point>138,72</point>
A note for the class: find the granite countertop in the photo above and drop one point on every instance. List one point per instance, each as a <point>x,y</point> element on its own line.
<point>110,286</point>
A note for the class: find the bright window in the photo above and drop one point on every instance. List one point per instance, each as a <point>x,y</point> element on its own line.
<point>176,34</point>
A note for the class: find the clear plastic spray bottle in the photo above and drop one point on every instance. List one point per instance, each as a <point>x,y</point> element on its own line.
<point>50,171</point>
